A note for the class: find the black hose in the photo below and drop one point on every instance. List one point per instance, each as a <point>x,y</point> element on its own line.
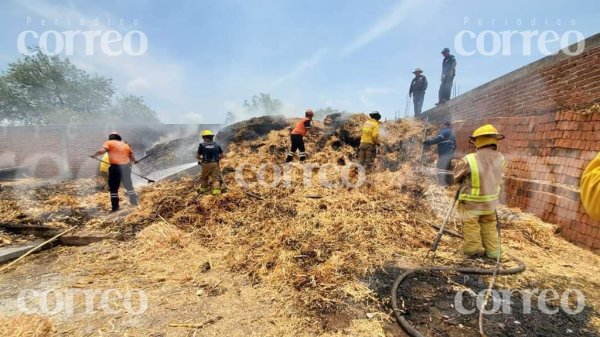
<point>405,324</point>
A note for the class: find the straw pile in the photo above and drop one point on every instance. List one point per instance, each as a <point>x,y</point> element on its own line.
<point>319,244</point>
<point>26,326</point>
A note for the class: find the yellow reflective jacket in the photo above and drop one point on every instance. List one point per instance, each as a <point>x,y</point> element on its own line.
<point>590,188</point>
<point>370,132</point>
<point>105,163</point>
<point>481,177</point>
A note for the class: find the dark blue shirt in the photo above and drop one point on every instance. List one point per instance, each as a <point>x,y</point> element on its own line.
<point>445,141</point>
<point>209,152</point>
<point>448,66</point>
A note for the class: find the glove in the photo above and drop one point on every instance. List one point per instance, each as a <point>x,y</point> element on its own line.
<point>135,162</point>
<point>93,156</point>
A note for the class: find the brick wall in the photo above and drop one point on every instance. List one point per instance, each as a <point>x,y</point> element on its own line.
<point>550,113</point>
<point>61,152</point>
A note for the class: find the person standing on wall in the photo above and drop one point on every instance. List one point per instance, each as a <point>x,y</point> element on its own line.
<point>417,90</point>
<point>297,135</point>
<point>121,158</point>
<point>448,73</point>
<point>446,143</point>
<point>480,176</point>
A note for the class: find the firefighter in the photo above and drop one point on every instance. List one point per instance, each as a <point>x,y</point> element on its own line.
<point>104,165</point>
<point>369,140</point>
<point>446,143</point>
<point>121,158</point>
<point>209,154</point>
<point>297,135</point>
<point>480,175</point>
<point>590,188</point>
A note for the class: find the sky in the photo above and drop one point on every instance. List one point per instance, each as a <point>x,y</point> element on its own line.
<point>204,58</point>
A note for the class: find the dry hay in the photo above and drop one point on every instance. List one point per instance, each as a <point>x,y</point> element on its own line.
<point>319,252</point>
<point>26,326</point>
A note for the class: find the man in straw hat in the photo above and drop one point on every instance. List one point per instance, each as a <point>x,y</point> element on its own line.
<point>417,90</point>
<point>480,175</point>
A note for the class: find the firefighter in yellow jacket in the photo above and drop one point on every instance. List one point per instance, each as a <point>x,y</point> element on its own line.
<point>104,165</point>
<point>480,175</point>
<point>590,188</point>
<point>369,140</point>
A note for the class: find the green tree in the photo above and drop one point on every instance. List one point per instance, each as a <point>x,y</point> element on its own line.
<point>132,109</point>
<point>263,104</point>
<point>42,89</point>
<point>39,89</point>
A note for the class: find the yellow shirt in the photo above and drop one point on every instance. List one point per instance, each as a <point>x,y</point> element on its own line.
<point>370,132</point>
<point>590,188</point>
<point>105,163</point>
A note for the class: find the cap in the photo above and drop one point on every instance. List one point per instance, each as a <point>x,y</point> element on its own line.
<point>445,50</point>
<point>418,70</point>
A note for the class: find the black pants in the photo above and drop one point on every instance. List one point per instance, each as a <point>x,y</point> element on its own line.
<point>446,88</point>
<point>297,144</point>
<point>444,162</point>
<point>116,175</point>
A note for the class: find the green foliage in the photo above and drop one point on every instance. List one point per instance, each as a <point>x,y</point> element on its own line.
<point>263,104</point>
<point>39,89</point>
<point>132,109</point>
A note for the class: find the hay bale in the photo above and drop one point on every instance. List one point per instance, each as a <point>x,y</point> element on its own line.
<point>164,155</point>
<point>250,129</point>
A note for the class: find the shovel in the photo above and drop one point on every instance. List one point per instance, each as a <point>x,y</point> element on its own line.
<point>150,181</point>
<point>438,237</point>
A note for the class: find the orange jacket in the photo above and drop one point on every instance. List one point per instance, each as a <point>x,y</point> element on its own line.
<point>302,127</point>
<point>118,152</point>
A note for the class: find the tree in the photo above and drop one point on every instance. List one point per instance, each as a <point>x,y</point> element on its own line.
<point>263,104</point>
<point>229,118</point>
<point>39,89</point>
<point>132,109</point>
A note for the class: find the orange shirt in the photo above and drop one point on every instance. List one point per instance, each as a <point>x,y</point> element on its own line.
<point>118,152</point>
<point>302,127</point>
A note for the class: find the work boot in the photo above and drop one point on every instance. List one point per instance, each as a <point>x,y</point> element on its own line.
<point>302,156</point>
<point>289,157</point>
<point>476,256</point>
<point>114,201</point>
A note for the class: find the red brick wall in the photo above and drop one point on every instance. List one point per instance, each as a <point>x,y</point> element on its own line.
<point>61,152</point>
<point>549,112</point>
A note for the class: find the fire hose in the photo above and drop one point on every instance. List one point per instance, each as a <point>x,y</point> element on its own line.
<point>398,313</point>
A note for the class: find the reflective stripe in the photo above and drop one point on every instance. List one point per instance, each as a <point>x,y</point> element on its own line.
<point>475,196</point>
<point>475,187</point>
